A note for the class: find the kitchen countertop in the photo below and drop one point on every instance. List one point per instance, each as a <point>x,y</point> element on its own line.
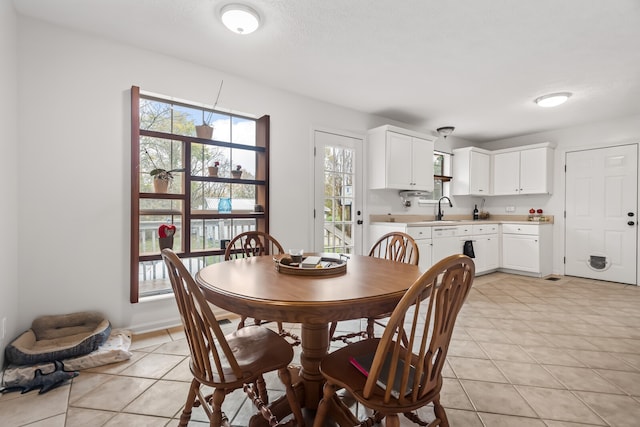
<point>453,220</point>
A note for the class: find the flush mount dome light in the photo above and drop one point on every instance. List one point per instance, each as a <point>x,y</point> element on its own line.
<point>240,19</point>
<point>553,99</point>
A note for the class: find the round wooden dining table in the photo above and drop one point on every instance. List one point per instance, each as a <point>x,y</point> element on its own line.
<point>254,287</point>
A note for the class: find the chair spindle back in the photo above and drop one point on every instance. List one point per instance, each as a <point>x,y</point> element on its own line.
<point>432,304</point>
<point>204,336</point>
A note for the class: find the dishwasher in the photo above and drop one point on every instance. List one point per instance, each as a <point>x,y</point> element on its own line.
<point>446,241</point>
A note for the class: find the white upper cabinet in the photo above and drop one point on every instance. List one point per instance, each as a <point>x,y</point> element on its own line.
<point>527,170</point>
<point>400,159</point>
<point>471,172</point>
<point>506,173</point>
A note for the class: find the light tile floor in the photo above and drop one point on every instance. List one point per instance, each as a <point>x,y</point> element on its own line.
<point>525,352</point>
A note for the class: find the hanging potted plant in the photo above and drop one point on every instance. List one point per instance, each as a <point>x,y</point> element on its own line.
<point>237,173</point>
<point>205,130</point>
<point>213,170</point>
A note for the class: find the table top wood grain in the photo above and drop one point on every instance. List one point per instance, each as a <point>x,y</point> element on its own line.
<point>253,287</point>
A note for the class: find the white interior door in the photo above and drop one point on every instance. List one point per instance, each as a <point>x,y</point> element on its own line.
<point>602,213</point>
<point>338,193</point>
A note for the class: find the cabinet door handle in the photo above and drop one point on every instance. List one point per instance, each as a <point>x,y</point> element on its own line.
<point>631,223</point>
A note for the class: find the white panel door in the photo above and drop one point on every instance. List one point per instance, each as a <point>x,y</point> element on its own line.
<point>601,213</point>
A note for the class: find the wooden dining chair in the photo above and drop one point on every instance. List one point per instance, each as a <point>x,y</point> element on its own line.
<point>252,243</point>
<point>426,315</point>
<point>256,243</point>
<point>227,362</point>
<point>395,246</point>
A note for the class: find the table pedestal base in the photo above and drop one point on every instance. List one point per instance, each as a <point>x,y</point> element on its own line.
<point>308,381</point>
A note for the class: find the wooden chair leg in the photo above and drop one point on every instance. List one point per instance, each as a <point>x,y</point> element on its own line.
<point>241,322</point>
<point>332,329</point>
<point>438,409</point>
<point>370,327</point>
<point>329,390</point>
<point>392,420</point>
<point>217,416</point>
<point>191,398</point>
<point>261,386</point>
<point>285,378</point>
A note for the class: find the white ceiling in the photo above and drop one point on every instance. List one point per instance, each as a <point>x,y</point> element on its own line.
<point>473,64</point>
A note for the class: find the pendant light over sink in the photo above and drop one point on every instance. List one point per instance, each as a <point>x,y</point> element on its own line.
<point>445,131</point>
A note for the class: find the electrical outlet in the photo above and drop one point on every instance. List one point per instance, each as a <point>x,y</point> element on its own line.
<point>510,208</point>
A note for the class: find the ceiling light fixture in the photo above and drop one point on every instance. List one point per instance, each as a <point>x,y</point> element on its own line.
<point>445,131</point>
<point>239,18</point>
<point>553,99</point>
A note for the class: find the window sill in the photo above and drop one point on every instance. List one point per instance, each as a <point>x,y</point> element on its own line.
<point>153,298</point>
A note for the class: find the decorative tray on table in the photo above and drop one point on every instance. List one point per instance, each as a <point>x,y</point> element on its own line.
<point>310,266</point>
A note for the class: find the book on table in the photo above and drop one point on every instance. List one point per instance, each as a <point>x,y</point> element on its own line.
<point>311,261</point>
<point>363,364</point>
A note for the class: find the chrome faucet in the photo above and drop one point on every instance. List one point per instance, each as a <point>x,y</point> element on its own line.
<point>440,212</point>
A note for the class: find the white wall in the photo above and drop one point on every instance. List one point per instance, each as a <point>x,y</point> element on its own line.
<point>8,174</point>
<point>75,137</point>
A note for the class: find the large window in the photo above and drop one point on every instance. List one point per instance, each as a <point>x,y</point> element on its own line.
<point>215,186</point>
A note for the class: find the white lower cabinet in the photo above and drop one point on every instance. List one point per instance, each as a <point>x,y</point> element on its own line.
<point>422,236</point>
<point>519,248</point>
<point>486,245</point>
<point>527,248</point>
<point>487,253</point>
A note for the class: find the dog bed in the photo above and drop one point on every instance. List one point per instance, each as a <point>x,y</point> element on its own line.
<point>115,349</point>
<point>59,337</point>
